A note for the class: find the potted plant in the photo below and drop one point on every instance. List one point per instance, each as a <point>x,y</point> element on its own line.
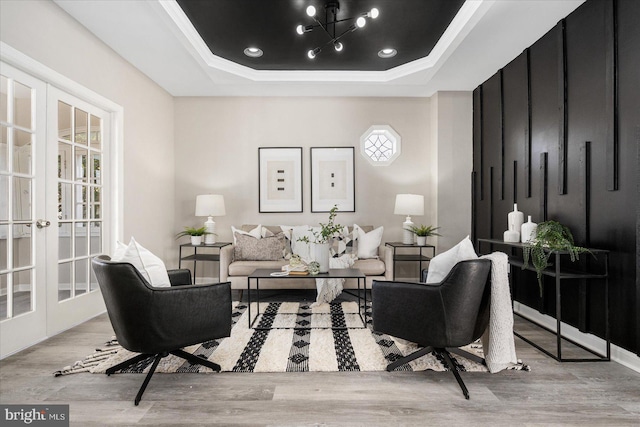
<point>423,231</point>
<point>195,233</point>
<point>550,236</point>
<point>321,241</point>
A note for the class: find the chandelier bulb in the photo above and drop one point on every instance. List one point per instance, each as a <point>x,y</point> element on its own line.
<point>311,11</point>
<point>312,53</point>
<point>374,13</point>
<point>338,46</point>
<point>361,22</point>
<point>300,29</point>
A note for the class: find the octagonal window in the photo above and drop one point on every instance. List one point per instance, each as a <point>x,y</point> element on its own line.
<point>380,145</point>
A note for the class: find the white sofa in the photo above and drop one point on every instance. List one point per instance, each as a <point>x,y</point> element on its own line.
<point>236,272</point>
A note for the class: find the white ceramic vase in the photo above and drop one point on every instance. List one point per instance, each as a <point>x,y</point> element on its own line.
<point>321,254</point>
<point>515,219</point>
<point>511,236</point>
<point>528,231</point>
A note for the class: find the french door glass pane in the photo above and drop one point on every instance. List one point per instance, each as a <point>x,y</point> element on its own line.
<point>4,250</point>
<point>3,295</point>
<point>81,239</point>
<point>4,149</point>
<point>65,202</point>
<point>64,281</point>
<point>81,126</point>
<point>64,240</point>
<point>64,121</point>
<point>22,246</point>
<point>4,198</point>
<point>22,199</point>
<point>22,152</point>
<point>81,164</point>
<point>22,111</point>
<point>4,98</point>
<point>81,276</point>
<point>96,239</point>
<point>22,290</point>
<point>96,133</point>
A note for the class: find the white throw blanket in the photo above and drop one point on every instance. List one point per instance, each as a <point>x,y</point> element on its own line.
<point>497,341</point>
<point>329,289</point>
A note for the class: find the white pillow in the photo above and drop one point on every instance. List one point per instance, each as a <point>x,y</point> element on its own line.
<point>119,251</point>
<point>440,265</point>
<point>150,266</point>
<point>368,243</point>
<point>256,232</point>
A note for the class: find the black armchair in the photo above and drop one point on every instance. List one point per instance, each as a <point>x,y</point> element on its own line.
<point>439,317</point>
<point>156,322</point>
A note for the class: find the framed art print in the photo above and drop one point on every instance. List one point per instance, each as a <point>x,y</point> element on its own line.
<point>280,176</point>
<point>332,179</point>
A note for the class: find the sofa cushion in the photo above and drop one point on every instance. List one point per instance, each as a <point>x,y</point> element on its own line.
<point>253,232</point>
<point>368,242</point>
<point>266,249</point>
<point>370,267</point>
<point>245,268</point>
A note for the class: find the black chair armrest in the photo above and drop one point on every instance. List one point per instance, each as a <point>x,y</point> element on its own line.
<point>179,277</point>
<point>408,310</point>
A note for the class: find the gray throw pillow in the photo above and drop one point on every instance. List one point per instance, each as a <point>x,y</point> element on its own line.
<point>248,248</point>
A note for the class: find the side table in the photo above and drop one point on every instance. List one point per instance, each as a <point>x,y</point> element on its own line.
<point>195,257</point>
<point>419,257</point>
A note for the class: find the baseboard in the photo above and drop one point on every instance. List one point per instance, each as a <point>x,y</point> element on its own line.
<point>618,354</point>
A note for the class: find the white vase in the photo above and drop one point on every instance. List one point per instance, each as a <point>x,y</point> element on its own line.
<point>422,240</point>
<point>321,255</point>
<point>196,240</point>
<point>511,236</point>
<point>515,219</point>
<point>528,231</point>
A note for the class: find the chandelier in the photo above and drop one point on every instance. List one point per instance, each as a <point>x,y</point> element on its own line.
<point>331,20</point>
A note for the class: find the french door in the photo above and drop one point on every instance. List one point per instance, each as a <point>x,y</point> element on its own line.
<point>54,216</point>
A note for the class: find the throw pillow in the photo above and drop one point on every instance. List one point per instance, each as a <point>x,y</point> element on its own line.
<point>249,248</point>
<point>254,232</point>
<point>150,266</point>
<point>368,243</point>
<point>440,265</point>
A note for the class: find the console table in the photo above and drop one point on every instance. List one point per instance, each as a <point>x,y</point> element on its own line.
<point>560,272</point>
<point>415,257</point>
<point>337,273</point>
<point>195,257</point>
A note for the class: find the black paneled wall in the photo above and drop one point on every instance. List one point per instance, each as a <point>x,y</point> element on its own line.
<point>557,131</point>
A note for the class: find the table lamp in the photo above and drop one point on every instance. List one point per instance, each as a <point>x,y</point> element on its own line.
<point>408,204</point>
<point>210,205</point>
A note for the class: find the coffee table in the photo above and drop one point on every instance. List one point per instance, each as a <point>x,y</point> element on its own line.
<point>338,273</point>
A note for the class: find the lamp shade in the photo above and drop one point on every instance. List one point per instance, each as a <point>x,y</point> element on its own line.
<point>210,205</point>
<point>409,204</point>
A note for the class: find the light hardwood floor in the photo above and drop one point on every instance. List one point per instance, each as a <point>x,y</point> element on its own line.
<point>551,394</point>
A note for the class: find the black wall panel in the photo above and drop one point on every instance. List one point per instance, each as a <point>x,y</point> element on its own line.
<point>581,81</point>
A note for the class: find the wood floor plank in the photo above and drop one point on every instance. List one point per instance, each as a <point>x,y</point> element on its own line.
<point>553,393</point>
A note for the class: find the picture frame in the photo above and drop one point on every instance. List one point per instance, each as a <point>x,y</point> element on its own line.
<point>333,179</point>
<point>280,179</point>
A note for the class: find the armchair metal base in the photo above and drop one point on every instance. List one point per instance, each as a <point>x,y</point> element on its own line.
<point>157,357</point>
<point>444,352</point>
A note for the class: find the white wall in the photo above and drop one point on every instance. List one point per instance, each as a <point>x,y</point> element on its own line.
<point>43,31</point>
<point>217,142</point>
<point>452,131</point>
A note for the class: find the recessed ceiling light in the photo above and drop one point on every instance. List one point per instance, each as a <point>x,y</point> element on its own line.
<point>387,53</point>
<point>253,52</point>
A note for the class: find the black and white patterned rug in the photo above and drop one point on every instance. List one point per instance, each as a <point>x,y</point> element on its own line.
<point>319,348</point>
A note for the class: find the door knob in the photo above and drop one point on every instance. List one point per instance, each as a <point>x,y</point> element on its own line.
<point>41,223</point>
